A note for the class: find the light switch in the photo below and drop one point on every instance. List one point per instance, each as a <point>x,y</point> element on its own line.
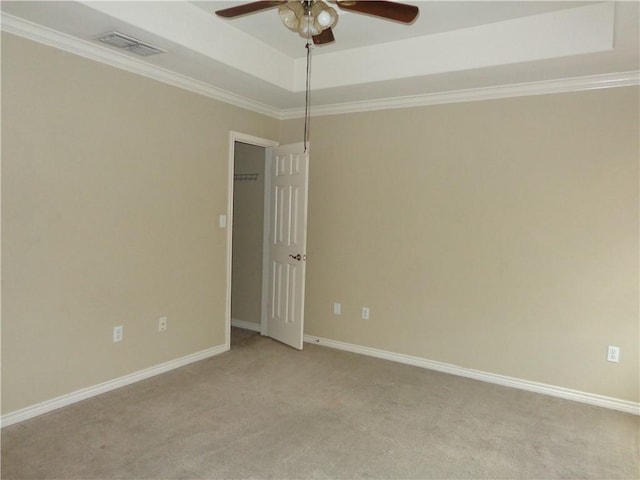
<point>223,221</point>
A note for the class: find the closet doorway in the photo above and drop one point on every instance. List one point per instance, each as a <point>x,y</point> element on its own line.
<point>266,258</point>
<point>248,235</point>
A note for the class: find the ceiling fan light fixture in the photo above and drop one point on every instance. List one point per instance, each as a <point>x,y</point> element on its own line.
<point>307,19</point>
<point>308,27</point>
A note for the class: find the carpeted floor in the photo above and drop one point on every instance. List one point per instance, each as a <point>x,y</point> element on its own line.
<point>264,410</point>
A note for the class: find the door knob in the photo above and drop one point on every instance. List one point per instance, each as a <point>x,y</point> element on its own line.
<point>296,257</point>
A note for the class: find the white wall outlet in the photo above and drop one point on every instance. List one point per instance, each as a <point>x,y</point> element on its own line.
<point>162,324</point>
<point>365,313</point>
<point>337,309</point>
<point>222,221</point>
<point>613,354</point>
<point>118,333</point>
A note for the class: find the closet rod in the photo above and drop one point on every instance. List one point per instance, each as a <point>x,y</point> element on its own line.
<point>245,177</point>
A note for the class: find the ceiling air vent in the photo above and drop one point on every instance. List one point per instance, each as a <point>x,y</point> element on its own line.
<point>120,40</point>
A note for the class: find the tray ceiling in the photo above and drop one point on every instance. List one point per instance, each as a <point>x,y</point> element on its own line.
<point>452,47</point>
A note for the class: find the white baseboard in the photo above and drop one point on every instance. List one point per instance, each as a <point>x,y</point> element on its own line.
<point>566,393</point>
<point>246,325</point>
<point>83,394</point>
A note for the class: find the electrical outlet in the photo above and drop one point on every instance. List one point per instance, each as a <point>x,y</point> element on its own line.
<point>337,309</point>
<point>613,354</point>
<point>365,313</point>
<point>162,324</point>
<point>118,333</point>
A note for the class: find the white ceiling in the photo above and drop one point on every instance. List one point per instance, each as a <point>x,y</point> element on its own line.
<point>355,30</point>
<point>453,46</point>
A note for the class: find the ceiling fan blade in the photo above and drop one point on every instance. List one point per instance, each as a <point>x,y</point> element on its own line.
<point>326,36</point>
<point>247,8</point>
<point>400,12</point>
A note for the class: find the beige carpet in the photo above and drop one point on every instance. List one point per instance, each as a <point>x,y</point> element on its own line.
<point>264,410</point>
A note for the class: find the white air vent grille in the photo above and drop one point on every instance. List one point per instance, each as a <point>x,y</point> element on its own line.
<point>120,40</point>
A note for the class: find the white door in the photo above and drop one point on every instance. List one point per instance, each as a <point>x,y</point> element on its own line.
<point>289,177</point>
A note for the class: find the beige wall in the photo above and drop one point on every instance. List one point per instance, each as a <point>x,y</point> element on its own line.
<point>248,213</point>
<point>111,189</point>
<point>500,236</point>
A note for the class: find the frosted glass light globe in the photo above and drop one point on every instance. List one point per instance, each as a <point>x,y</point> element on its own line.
<point>324,19</point>
<point>306,28</point>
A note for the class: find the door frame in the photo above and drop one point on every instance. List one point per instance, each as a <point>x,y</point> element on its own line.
<point>266,144</point>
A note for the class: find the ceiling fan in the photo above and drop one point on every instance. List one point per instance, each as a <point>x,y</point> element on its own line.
<point>315,19</point>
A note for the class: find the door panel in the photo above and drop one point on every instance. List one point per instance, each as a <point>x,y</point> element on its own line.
<point>287,244</point>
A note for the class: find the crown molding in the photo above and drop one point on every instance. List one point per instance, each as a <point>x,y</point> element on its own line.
<point>38,33</point>
<point>546,87</point>
<point>44,35</point>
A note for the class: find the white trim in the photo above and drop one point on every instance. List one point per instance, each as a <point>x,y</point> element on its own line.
<point>38,33</point>
<point>246,325</point>
<point>98,53</point>
<point>85,393</point>
<point>545,87</point>
<point>253,140</point>
<point>565,393</point>
<point>266,217</point>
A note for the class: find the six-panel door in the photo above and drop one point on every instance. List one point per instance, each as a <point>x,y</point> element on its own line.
<point>287,244</point>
